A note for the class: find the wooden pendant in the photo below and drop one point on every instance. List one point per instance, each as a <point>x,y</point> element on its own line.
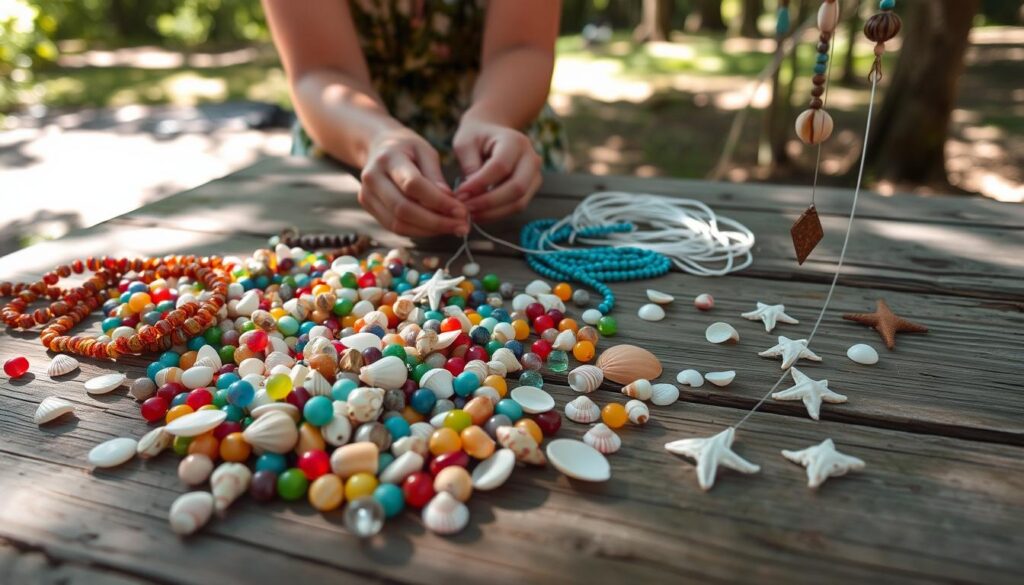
<point>806,233</point>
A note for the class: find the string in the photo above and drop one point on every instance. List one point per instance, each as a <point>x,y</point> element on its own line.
<point>824,103</point>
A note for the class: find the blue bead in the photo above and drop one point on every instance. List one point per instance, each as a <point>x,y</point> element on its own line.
<point>465,383</point>
<point>887,4</point>
<point>271,462</point>
<point>390,498</point>
<point>235,414</point>
<point>170,359</point>
<point>515,347</point>
<point>227,379</point>
<point>196,342</point>
<point>822,57</point>
<point>342,387</point>
<point>422,400</point>
<point>318,411</point>
<point>398,427</point>
<point>479,335</point>
<point>509,408</point>
<point>154,368</point>
<point>820,68</point>
<point>384,459</point>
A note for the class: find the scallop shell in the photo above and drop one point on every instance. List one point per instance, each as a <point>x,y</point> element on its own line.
<point>61,364</point>
<point>196,423</point>
<point>533,400</point>
<point>505,356</point>
<point>564,341</point>
<point>104,384</point>
<point>113,452</point>
<point>190,512</point>
<point>625,363</point>
<point>153,443</point>
<point>582,410</point>
<point>419,429</point>
<point>586,378</point>
<point>720,378</point>
<point>297,374</point>
<point>52,408</point>
<point>494,471</point>
<point>639,389</point>
<point>603,439</point>
<point>364,404</point>
<point>362,341</point>
<point>690,378</point>
<point>445,514</point>
<point>402,467</point>
<point>704,302</point>
<point>638,412</point>
<point>522,444</point>
<point>316,384</point>
<point>862,353</point>
<point>338,430</point>
<point>664,394</point>
<point>651,312</point>
<point>197,377</point>
<point>659,297</point>
<point>287,408</point>
<point>228,481</point>
<point>274,432</point>
<point>439,381</point>
<point>721,332</point>
<point>278,358</point>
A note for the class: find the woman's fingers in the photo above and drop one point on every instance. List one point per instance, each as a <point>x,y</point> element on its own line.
<point>499,165</point>
<point>519,187</point>
<point>468,155</point>
<point>403,215</point>
<point>416,186</point>
<point>515,206</point>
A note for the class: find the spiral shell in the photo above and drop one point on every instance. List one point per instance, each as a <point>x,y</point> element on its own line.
<point>625,363</point>
<point>316,384</point>
<point>506,357</point>
<point>522,444</point>
<point>637,412</point>
<point>190,512</point>
<point>586,378</point>
<point>61,364</point>
<point>350,361</point>
<point>388,372</point>
<point>439,381</point>
<point>365,404</point>
<point>603,439</point>
<point>228,481</point>
<point>564,341</point>
<point>582,410</point>
<point>153,443</point>
<point>639,389</point>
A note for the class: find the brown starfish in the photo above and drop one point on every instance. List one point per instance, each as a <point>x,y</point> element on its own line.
<point>887,323</point>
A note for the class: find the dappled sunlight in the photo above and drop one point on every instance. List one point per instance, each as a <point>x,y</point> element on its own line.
<point>188,89</point>
<point>956,242</point>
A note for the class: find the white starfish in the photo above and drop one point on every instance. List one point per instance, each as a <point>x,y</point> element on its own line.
<point>769,314</point>
<point>812,392</point>
<point>435,288</point>
<point>791,350</point>
<point>709,453</point>
<point>823,461</point>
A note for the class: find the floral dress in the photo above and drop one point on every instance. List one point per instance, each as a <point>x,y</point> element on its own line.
<point>424,56</point>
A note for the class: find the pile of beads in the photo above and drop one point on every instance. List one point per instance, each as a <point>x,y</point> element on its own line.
<point>814,125</point>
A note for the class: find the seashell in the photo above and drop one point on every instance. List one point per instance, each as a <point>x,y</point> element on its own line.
<point>104,384</point>
<point>296,309</point>
<point>228,481</point>
<point>564,341</point>
<point>503,332</point>
<point>283,370</point>
<point>320,346</point>
<point>582,410</point>
<point>690,378</point>
<point>537,287</point>
<point>350,361</point>
<point>704,302</point>
<point>578,460</point>
<point>445,339</point>
<point>522,444</point>
<point>354,458</point>
<point>439,381</point>
<point>505,356</point>
<point>625,363</point>
<point>591,316</point>
<point>492,472</point>
<point>197,377</point>
<point>362,341</point>
<point>52,408</point>
<point>142,388</point>
<point>338,430</point>
<point>275,343</point>
<point>153,443</point>
<point>194,469</point>
<point>521,301</point>
<point>651,312</point>
<point>207,362</point>
<point>419,429</point>
<point>455,480</point>
<point>496,368</point>
<point>316,384</point>
<point>638,412</point>
<point>586,378</point>
<point>249,303</point>
<point>196,423</point>
<point>659,297</point>
<point>167,375</point>
<point>488,392</point>
<point>250,366</point>
<point>113,452</point>
<point>426,340</point>
<point>207,352</point>
<point>376,318</point>
<point>721,332</point>
<point>402,467</point>
<point>279,359</point>
<point>720,378</point>
<point>664,394</point>
<point>417,443</point>
<point>361,308</point>
<point>445,515</point>
<point>603,439</point>
<point>284,407</point>
<point>190,512</point>
<point>640,389</point>
<point>365,404</point>
<point>274,432</point>
<point>261,398</point>
<point>478,367</point>
<point>551,302</point>
<point>814,126</point>
<point>371,293</point>
<point>61,364</point>
<point>862,353</point>
<point>533,400</point>
<point>437,419</point>
<point>402,307</point>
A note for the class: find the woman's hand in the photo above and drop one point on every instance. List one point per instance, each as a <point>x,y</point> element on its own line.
<point>403,187</point>
<point>501,169</point>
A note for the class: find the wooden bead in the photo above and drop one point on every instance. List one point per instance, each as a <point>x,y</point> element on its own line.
<point>817,91</point>
<point>816,103</point>
<point>813,126</point>
<point>818,80</point>
<point>882,27</point>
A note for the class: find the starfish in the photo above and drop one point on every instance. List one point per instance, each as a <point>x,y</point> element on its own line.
<point>823,461</point>
<point>435,288</point>
<point>769,314</point>
<point>791,350</point>
<point>709,453</point>
<point>887,323</point>
<point>812,392</point>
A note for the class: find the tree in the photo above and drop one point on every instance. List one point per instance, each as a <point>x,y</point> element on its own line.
<point>656,21</point>
<point>853,27</point>
<point>908,145</point>
<point>710,12</point>
<point>752,10</point>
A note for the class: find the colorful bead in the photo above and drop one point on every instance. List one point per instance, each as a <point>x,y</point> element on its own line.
<point>16,367</point>
<point>614,415</point>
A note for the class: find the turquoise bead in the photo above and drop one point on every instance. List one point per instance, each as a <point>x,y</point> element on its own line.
<point>531,378</point>
<point>384,459</point>
<point>271,462</point>
<point>820,68</point>
<point>342,387</point>
<point>782,25</point>
<point>822,57</point>
<point>287,325</point>
<point>509,408</point>
<point>390,497</point>
<point>398,427</point>
<point>887,4</point>
<point>318,411</point>
<point>465,383</point>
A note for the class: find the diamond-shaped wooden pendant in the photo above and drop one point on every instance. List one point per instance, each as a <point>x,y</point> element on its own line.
<point>806,233</point>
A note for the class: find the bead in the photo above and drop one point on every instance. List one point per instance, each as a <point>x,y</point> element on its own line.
<point>583,351</point>
<point>326,493</point>
<point>445,440</point>
<point>292,484</point>
<point>490,282</point>
<point>233,447</point>
<point>828,17</point>
<point>465,383</point>
<point>314,463</point>
<point>16,367</point>
<point>614,415</point>
<point>154,408</point>
<point>418,489</point>
<point>476,443</point>
<point>549,422</point>
<point>607,326</point>
<point>278,386</point>
<point>531,361</point>
<point>360,485</point>
<point>456,481</point>
<point>457,419</point>
<point>459,458</point>
<point>509,408</point>
<point>814,126</point>
<point>531,428</point>
<point>531,378</point>
<point>558,361</point>
<point>563,291</point>
<point>318,410</point>
<point>391,499</point>
<point>883,26</point>
<point>364,517</point>
<point>887,4</point>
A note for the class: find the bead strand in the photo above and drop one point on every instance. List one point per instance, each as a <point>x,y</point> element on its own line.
<point>814,125</point>
<point>880,28</point>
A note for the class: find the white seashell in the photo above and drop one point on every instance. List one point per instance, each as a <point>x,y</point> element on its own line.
<point>376,318</point>
<point>494,471</point>
<point>164,375</point>
<point>503,332</point>
<point>564,341</point>
<point>194,469</point>
<point>279,359</point>
<point>250,366</point>
<point>582,410</point>
<point>297,310</point>
<point>421,429</point>
<point>477,367</point>
<point>284,407</point>
<point>537,287</point>
<point>659,297</point>
<point>275,343</point>
<point>505,356</point>
<point>586,378</point>
<point>52,408</point>
<point>439,381</point>
<point>496,368</point>
<point>297,375</point>
<point>338,431</point>
<point>61,364</point>
<point>522,444</point>
<point>360,309</point>
<point>371,293</point>
<point>190,512</point>
<point>720,378</point>
<point>283,370</point>
<point>578,460</point>
<point>153,443</point>
<point>361,341</point>
<point>196,423</point>
<point>249,302</point>
<point>316,384</point>
<point>207,352</point>
<point>274,432</point>
<point>862,353</point>
<point>471,269</point>
<point>690,378</point>
<point>365,404</point>
<point>414,443</point>
<point>521,301</point>
<point>320,346</point>
<point>721,332</point>
<point>261,398</point>
<point>402,467</point>
<point>228,481</point>
<point>651,312</point>
<point>142,388</point>
<point>603,439</point>
<point>206,362</point>
<point>445,514</point>
<point>532,399</point>
<point>113,452</point>
<point>104,384</point>
<point>437,420</point>
<point>488,392</point>
<point>318,332</point>
<point>638,412</point>
<point>591,316</point>
<point>664,394</point>
<point>551,302</point>
<point>639,389</point>
<point>704,302</point>
<point>445,339</point>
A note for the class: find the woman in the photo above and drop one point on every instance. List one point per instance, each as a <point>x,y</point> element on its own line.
<point>395,87</point>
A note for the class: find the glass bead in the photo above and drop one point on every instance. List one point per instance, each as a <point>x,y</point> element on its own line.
<point>496,421</point>
<point>457,419</point>
<point>542,323</point>
<point>178,411</point>
<point>364,517</point>
<point>314,463</point>
<point>490,282</point>
<point>509,408</point>
<point>507,290</point>
<point>154,408</point>
<point>318,411</point>
<point>614,415</point>
<point>446,439</point>
<point>549,335</point>
<point>534,310</point>
<point>396,351</point>
<point>457,458</point>
<point>205,444</point>
<point>542,348</point>
<point>292,484</point>
<point>455,365</point>
<point>16,367</point>
<point>263,486</point>
<point>607,326</point>
<point>373,432</point>
<point>558,361</point>
<point>234,448</point>
<point>257,340</point>
<point>180,445</point>
<point>391,499</point>
<point>465,383</point>
<point>531,361</point>
<point>531,378</point>
<point>278,386</point>
<point>360,485</point>
<point>563,291</point>
<point>549,422</point>
<point>327,492</point>
<point>199,398</point>
<point>531,428</point>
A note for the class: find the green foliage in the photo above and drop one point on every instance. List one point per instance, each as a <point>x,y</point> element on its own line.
<point>24,45</point>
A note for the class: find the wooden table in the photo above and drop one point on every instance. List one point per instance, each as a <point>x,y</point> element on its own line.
<point>939,421</point>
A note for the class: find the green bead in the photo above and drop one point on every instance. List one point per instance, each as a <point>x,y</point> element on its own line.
<point>180,445</point>
<point>457,301</point>
<point>491,282</point>
<point>396,350</point>
<point>342,307</point>
<point>227,354</point>
<point>292,484</point>
<point>348,280</point>
<point>248,326</point>
<point>287,325</point>
<point>419,370</point>
<point>213,335</point>
<point>558,361</point>
<point>493,346</point>
<point>411,361</point>
<point>220,398</point>
<point>457,420</point>
<point>607,326</point>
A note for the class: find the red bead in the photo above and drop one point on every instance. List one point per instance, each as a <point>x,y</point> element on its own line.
<point>542,323</point>
<point>549,422</point>
<point>257,340</point>
<point>462,339</point>
<point>298,397</point>
<point>199,398</point>
<point>476,353</point>
<point>534,310</point>
<point>455,365</point>
<point>418,489</point>
<point>16,367</point>
<point>367,280</point>
<point>169,390</point>
<point>226,428</point>
<point>556,316</point>
<point>542,348</point>
<point>451,324</point>
<point>314,463</point>
<point>154,408</point>
<point>438,463</point>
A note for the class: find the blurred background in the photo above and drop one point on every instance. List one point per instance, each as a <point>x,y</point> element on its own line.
<point>109,104</point>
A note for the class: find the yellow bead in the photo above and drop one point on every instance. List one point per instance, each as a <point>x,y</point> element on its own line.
<point>278,386</point>
<point>320,288</point>
<point>522,329</point>
<point>444,440</point>
<point>476,442</point>
<point>614,415</point>
<point>411,416</point>
<point>498,383</point>
<point>474,318</point>
<point>583,351</point>
<point>327,492</point>
<point>178,412</point>
<point>563,291</point>
<point>359,485</point>
<point>278,312</point>
<point>138,301</point>
<point>531,428</point>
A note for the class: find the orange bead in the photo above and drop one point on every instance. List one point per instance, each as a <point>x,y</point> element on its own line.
<point>188,359</point>
<point>444,440</point>
<point>242,353</point>
<point>563,291</point>
<point>310,439</point>
<point>532,428</point>
<point>138,301</point>
<point>389,298</point>
<point>390,314</point>
<point>476,443</point>
<point>614,415</point>
<point>474,318</point>
<point>234,448</point>
<point>466,287</point>
<point>393,339</point>
<point>411,416</point>
<point>358,324</point>
<point>480,409</point>
<point>522,329</point>
<point>568,324</point>
<point>320,288</point>
<point>205,444</point>
<point>583,351</point>
<point>177,412</point>
<point>348,320</point>
<point>498,383</point>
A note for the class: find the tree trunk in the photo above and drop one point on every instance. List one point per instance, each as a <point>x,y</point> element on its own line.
<point>710,12</point>
<point>752,10</point>
<point>656,21</point>
<point>778,124</point>
<point>854,27</point>
<point>909,144</point>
